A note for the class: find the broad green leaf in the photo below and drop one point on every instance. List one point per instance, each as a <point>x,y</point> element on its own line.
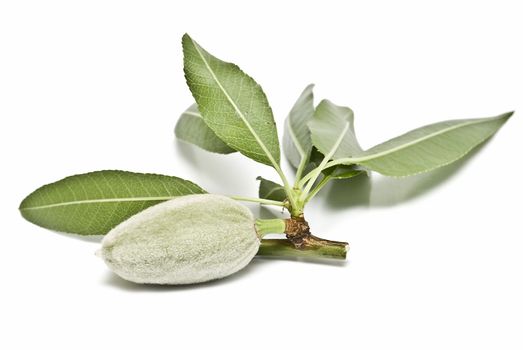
<point>271,190</point>
<point>93,203</point>
<point>297,143</point>
<point>332,131</point>
<point>232,104</point>
<point>192,128</point>
<point>428,147</point>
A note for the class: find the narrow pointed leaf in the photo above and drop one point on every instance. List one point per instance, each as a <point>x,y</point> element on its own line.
<point>428,147</point>
<point>327,126</point>
<point>93,203</point>
<point>232,104</point>
<point>192,128</point>
<point>297,143</point>
<point>271,190</point>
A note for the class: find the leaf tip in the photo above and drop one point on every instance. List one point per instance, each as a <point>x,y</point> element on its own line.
<point>24,203</point>
<point>186,41</point>
<point>505,116</point>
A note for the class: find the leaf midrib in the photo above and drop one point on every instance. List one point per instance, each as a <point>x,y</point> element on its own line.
<point>236,108</point>
<point>100,200</point>
<point>412,143</point>
<point>274,190</point>
<point>295,139</point>
<point>338,142</point>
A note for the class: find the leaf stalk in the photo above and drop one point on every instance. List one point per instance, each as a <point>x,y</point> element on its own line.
<point>316,172</point>
<point>258,200</point>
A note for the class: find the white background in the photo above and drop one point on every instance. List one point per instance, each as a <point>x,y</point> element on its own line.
<point>436,261</point>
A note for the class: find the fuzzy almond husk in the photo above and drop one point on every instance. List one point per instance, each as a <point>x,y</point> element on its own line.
<point>189,239</point>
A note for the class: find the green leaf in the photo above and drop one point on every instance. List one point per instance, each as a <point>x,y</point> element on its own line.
<point>93,203</point>
<point>192,128</point>
<point>271,190</point>
<point>428,147</point>
<point>297,144</point>
<point>334,124</point>
<point>341,171</point>
<point>332,130</point>
<point>232,104</point>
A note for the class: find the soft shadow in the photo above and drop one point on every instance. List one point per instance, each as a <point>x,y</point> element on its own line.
<point>328,262</point>
<point>223,176</point>
<point>381,191</point>
<point>387,191</point>
<point>115,281</point>
<point>349,192</point>
<point>90,238</point>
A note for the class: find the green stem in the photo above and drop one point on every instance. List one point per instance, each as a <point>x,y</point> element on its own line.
<point>318,187</point>
<point>321,249</point>
<point>287,186</point>
<point>306,178</point>
<point>329,164</point>
<point>258,200</point>
<point>316,172</point>
<point>266,226</point>
<point>299,172</point>
<point>335,162</point>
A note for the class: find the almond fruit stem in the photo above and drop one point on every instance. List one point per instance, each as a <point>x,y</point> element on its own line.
<point>315,248</point>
